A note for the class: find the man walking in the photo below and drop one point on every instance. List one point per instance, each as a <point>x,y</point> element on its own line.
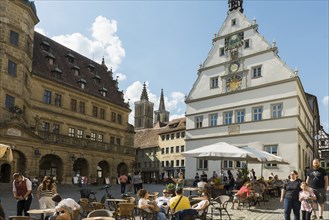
<point>123,182</point>
<point>22,189</point>
<point>317,179</point>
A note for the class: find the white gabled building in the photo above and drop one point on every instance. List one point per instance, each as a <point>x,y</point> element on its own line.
<point>245,94</point>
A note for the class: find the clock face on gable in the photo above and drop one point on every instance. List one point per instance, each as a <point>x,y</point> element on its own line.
<point>234,41</point>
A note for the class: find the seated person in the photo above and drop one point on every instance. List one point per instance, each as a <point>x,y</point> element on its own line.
<point>163,201</point>
<point>68,201</point>
<point>196,210</point>
<point>202,184</point>
<point>243,193</point>
<point>203,204</point>
<point>179,202</point>
<point>145,204</point>
<point>64,212</point>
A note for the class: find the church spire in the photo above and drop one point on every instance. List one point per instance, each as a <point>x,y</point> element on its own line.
<point>162,104</point>
<point>235,5</point>
<point>144,95</point>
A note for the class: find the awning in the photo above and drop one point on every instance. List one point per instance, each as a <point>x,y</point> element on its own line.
<point>6,148</point>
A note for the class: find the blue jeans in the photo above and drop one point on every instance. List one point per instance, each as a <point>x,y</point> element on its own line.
<point>293,204</point>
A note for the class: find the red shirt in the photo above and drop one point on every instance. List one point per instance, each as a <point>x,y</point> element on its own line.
<point>243,192</point>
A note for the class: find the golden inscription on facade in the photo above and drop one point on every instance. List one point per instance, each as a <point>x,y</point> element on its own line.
<point>14,132</point>
<point>234,129</point>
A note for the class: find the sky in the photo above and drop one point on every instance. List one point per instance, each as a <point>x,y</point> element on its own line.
<point>162,43</point>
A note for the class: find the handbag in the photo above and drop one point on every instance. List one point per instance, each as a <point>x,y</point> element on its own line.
<point>155,208</point>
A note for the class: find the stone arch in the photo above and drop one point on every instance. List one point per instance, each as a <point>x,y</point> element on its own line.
<point>81,167</point>
<point>103,171</point>
<point>5,173</point>
<point>122,168</point>
<point>19,162</point>
<point>51,165</point>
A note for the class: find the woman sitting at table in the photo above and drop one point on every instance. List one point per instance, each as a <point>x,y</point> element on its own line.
<point>202,205</point>
<point>242,194</point>
<point>45,192</point>
<point>145,204</point>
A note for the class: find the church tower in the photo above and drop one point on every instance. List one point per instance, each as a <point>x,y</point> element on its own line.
<point>144,111</point>
<point>161,115</point>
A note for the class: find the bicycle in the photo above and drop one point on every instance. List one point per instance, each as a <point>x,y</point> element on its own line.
<point>107,195</point>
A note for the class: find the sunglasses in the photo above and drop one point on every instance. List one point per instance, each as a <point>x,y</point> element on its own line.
<point>165,192</point>
<point>60,212</point>
<point>48,181</point>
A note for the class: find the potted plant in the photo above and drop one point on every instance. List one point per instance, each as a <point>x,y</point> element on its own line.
<point>217,182</point>
<point>171,188</point>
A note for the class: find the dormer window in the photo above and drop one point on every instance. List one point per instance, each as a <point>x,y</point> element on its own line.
<point>82,83</point>
<point>50,58</point>
<point>70,58</point>
<point>103,91</point>
<point>57,73</point>
<point>76,70</point>
<point>233,22</point>
<point>45,45</point>
<point>97,78</point>
<point>91,68</point>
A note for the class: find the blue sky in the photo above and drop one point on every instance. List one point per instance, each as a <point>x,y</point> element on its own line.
<point>162,43</point>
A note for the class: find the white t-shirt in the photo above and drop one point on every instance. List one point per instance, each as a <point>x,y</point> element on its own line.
<point>143,202</point>
<point>161,200</point>
<point>200,205</point>
<point>70,203</point>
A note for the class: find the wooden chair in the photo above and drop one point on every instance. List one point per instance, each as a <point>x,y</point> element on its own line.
<point>220,204</point>
<point>145,215</point>
<point>125,210</point>
<point>97,205</point>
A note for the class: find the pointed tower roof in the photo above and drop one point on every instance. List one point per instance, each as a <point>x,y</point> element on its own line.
<point>144,95</point>
<point>235,5</point>
<point>162,104</point>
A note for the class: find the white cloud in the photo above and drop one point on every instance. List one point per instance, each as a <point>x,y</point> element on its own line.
<point>174,104</point>
<point>120,76</point>
<point>104,43</point>
<point>40,30</point>
<point>325,101</point>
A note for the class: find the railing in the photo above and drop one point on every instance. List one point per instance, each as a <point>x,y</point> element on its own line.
<point>84,143</point>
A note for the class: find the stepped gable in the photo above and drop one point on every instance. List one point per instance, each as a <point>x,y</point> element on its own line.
<point>147,138</point>
<point>60,53</point>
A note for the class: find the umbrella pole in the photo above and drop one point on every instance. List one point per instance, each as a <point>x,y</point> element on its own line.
<point>262,169</point>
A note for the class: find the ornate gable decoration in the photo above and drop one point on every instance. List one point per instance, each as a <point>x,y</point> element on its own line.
<point>234,41</point>
<point>235,5</point>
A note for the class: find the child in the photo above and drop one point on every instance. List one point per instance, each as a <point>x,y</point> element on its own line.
<point>306,197</point>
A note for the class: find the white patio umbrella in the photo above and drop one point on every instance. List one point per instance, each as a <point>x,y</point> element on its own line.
<point>264,157</point>
<point>221,150</point>
<point>5,148</point>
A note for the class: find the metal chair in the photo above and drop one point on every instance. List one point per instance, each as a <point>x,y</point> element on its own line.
<point>125,210</point>
<point>100,213</point>
<point>220,205</point>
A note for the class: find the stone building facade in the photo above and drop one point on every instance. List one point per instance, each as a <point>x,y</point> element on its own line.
<point>62,113</point>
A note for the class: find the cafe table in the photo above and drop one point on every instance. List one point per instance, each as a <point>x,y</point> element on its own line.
<point>191,189</point>
<point>114,202</point>
<point>42,212</point>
